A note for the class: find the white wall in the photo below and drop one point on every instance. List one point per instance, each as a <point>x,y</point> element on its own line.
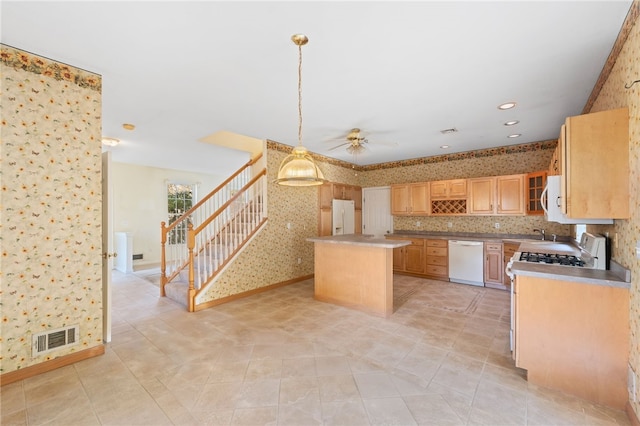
<point>140,203</point>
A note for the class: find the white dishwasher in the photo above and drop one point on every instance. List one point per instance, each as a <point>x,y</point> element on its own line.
<point>466,262</point>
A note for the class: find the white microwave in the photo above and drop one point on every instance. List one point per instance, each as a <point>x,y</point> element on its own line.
<point>552,206</point>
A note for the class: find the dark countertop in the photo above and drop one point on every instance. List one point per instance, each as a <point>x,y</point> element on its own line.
<point>617,276</point>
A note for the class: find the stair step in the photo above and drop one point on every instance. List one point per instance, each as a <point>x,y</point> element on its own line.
<point>177,291</point>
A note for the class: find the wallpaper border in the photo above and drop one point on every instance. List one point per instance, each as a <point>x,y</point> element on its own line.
<point>36,64</point>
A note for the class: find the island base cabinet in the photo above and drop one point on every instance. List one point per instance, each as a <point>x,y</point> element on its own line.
<point>359,278</point>
<point>573,337</point>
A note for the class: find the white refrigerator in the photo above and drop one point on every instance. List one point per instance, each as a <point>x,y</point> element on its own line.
<point>343,217</point>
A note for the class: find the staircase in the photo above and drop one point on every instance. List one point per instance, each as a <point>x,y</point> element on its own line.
<point>198,246</point>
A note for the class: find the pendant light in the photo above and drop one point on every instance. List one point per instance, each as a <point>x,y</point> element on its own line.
<point>298,168</point>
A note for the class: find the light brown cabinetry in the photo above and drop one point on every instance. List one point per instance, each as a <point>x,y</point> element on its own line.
<point>535,185</point>
<point>493,265</point>
<point>508,250</point>
<point>437,259</point>
<point>448,197</point>
<point>577,348</point>
<point>448,189</point>
<point>411,199</point>
<point>594,164</point>
<point>331,190</point>
<point>411,258</point>
<point>501,195</point>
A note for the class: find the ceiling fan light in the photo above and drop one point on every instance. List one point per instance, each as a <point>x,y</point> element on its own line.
<point>299,169</point>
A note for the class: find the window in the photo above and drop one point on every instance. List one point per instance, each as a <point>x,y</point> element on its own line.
<point>180,198</point>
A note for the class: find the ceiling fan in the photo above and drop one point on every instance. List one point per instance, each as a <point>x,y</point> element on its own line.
<point>355,142</point>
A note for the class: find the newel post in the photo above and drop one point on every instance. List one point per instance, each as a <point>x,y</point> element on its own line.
<point>191,243</point>
<point>163,261</point>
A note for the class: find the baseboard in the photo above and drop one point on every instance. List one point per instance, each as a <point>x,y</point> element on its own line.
<point>242,295</point>
<point>43,367</point>
<point>633,417</point>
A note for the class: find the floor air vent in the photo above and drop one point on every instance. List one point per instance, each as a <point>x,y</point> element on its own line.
<point>54,339</point>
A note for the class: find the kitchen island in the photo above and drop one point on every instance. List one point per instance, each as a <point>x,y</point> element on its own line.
<point>355,271</point>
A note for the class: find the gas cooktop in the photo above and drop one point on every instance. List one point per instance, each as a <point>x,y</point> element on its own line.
<point>554,259</point>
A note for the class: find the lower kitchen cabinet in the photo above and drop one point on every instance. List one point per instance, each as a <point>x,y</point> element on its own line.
<point>494,266</point>
<point>508,250</point>
<point>437,259</point>
<point>573,337</point>
<point>409,259</point>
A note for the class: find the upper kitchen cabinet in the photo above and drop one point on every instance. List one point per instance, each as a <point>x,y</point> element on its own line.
<point>448,189</point>
<point>448,197</point>
<point>411,199</point>
<point>594,164</point>
<point>499,195</point>
<point>535,183</point>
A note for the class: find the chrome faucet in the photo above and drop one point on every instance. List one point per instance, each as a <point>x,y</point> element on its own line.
<point>541,231</point>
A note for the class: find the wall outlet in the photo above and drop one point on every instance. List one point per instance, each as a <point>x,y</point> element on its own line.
<point>449,225</point>
<point>497,225</point>
<point>418,223</point>
<point>299,260</point>
<point>289,225</point>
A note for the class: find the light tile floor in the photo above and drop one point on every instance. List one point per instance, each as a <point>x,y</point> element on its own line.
<point>282,358</point>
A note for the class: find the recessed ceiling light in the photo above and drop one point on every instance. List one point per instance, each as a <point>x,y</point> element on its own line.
<point>515,135</point>
<point>507,105</point>
<point>110,141</point>
<point>511,123</point>
<point>444,146</point>
<point>128,126</point>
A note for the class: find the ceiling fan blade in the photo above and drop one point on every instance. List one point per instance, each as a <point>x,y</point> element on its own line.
<point>338,146</point>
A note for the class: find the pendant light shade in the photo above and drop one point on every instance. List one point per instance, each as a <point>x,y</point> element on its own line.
<point>298,168</point>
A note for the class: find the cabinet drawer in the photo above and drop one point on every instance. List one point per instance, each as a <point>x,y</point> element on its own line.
<point>437,260</point>
<point>417,242</point>
<point>437,270</point>
<point>437,243</point>
<point>436,251</point>
<point>493,246</point>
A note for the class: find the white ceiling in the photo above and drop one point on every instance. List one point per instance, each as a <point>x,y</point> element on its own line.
<point>400,71</point>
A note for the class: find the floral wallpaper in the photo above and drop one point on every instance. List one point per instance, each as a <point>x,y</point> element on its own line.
<point>51,204</point>
<point>612,95</point>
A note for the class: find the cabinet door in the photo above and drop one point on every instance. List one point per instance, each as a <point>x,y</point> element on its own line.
<point>358,221</point>
<point>398,259</point>
<point>481,196</point>
<point>597,165</point>
<point>339,191</point>
<point>535,185</point>
<point>325,195</point>
<point>324,222</point>
<point>493,263</point>
<point>414,258</point>
<point>419,198</point>
<point>510,194</point>
<point>457,188</point>
<point>400,200</point>
<point>356,196</point>
<point>438,189</point>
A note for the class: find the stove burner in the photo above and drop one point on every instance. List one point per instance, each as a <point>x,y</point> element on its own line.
<point>557,259</point>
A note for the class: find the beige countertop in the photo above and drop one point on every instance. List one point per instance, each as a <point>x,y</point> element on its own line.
<point>360,240</point>
<point>617,276</point>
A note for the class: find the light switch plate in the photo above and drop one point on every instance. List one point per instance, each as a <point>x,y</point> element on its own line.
<point>638,250</point>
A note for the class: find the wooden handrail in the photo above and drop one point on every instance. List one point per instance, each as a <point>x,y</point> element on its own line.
<point>218,188</point>
<point>231,200</point>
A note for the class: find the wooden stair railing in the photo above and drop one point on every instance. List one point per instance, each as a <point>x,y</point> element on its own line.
<point>206,238</point>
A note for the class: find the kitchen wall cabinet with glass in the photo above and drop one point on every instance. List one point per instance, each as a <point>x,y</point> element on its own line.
<point>329,191</point>
<point>535,185</point>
